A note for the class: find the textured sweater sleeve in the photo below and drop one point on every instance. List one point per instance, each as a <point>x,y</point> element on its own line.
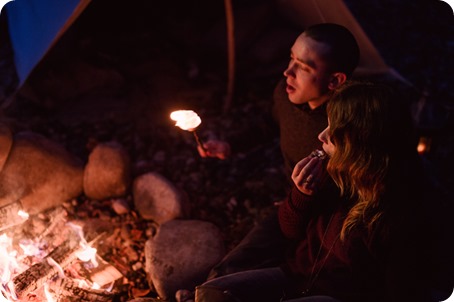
<point>295,213</point>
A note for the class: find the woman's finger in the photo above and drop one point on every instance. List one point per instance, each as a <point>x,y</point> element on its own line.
<point>303,170</point>
<point>299,166</point>
<point>310,176</point>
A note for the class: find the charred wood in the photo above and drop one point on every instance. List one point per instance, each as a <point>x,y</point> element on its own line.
<point>38,274</point>
<point>66,289</point>
<point>9,216</point>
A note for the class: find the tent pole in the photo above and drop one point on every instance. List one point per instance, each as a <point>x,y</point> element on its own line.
<point>231,55</point>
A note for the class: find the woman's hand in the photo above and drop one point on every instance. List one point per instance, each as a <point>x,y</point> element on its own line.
<point>307,174</point>
<point>215,148</point>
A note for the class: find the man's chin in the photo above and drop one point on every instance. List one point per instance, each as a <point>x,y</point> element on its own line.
<point>291,97</point>
<point>295,100</point>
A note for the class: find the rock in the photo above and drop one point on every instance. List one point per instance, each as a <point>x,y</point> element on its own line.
<point>181,255</point>
<point>156,198</point>
<point>6,142</point>
<point>108,172</point>
<point>40,173</point>
<point>120,206</point>
<point>184,295</point>
<point>145,300</point>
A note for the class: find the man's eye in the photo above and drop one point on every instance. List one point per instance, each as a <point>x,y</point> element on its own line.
<point>303,68</point>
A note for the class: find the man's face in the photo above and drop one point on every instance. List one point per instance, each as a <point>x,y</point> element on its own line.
<point>307,73</point>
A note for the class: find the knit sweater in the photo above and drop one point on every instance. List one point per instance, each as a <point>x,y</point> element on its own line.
<point>363,267</point>
<point>299,127</point>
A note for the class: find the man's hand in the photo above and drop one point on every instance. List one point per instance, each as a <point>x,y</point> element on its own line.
<point>215,148</point>
<point>307,174</point>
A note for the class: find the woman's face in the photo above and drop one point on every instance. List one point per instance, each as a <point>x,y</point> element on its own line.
<point>324,137</point>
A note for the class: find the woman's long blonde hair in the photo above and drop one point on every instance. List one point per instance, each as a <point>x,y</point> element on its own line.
<point>371,133</point>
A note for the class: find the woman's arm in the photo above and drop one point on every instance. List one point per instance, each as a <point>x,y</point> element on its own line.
<point>297,209</point>
<point>294,214</point>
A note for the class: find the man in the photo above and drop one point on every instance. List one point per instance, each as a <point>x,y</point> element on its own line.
<point>322,58</point>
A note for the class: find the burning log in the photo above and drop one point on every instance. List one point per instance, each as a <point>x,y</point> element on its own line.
<point>10,215</point>
<point>67,289</point>
<point>104,273</point>
<point>38,274</point>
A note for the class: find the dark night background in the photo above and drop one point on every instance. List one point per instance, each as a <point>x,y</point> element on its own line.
<point>124,66</point>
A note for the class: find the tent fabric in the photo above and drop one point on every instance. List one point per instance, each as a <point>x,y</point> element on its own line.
<point>35,26</point>
<point>309,12</point>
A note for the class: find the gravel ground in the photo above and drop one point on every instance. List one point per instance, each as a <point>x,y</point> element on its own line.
<point>117,77</point>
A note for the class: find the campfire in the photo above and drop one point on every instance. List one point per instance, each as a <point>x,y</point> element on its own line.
<point>46,257</point>
<point>73,230</point>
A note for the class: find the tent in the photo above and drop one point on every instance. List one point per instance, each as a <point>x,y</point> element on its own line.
<point>306,13</point>
<point>36,25</point>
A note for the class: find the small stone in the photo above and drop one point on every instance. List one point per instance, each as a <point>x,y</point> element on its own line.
<point>136,266</point>
<point>120,206</point>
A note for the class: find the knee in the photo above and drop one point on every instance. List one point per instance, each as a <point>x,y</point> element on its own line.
<point>209,293</point>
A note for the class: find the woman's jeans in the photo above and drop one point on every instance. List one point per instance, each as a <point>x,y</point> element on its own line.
<point>268,284</point>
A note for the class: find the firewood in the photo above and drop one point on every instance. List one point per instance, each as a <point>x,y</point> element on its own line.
<point>104,273</point>
<point>9,216</point>
<point>38,274</point>
<point>66,289</point>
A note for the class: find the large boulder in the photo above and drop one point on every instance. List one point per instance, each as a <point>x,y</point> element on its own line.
<point>181,254</point>
<point>6,143</point>
<point>40,173</point>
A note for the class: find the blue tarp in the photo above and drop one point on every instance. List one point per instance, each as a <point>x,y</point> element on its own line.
<point>34,25</point>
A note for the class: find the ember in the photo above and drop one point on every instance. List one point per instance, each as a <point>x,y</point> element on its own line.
<point>55,265</point>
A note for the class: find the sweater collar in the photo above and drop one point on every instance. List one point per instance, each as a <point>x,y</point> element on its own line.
<point>319,110</point>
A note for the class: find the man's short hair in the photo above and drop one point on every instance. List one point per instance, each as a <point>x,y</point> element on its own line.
<point>344,50</point>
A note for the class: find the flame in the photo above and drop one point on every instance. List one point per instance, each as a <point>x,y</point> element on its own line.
<point>186,119</point>
<point>87,254</point>
<point>8,266</point>
<point>30,248</point>
<point>13,262</point>
<point>58,268</point>
<point>8,263</point>
<point>47,293</point>
<point>24,215</point>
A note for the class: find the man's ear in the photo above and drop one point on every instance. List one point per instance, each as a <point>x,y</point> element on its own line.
<point>337,79</point>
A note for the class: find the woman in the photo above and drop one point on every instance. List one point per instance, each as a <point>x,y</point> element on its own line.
<point>363,243</point>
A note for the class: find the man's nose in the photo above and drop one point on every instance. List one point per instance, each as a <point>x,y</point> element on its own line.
<point>289,71</point>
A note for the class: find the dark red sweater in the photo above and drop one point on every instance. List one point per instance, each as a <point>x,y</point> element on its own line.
<point>361,268</point>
